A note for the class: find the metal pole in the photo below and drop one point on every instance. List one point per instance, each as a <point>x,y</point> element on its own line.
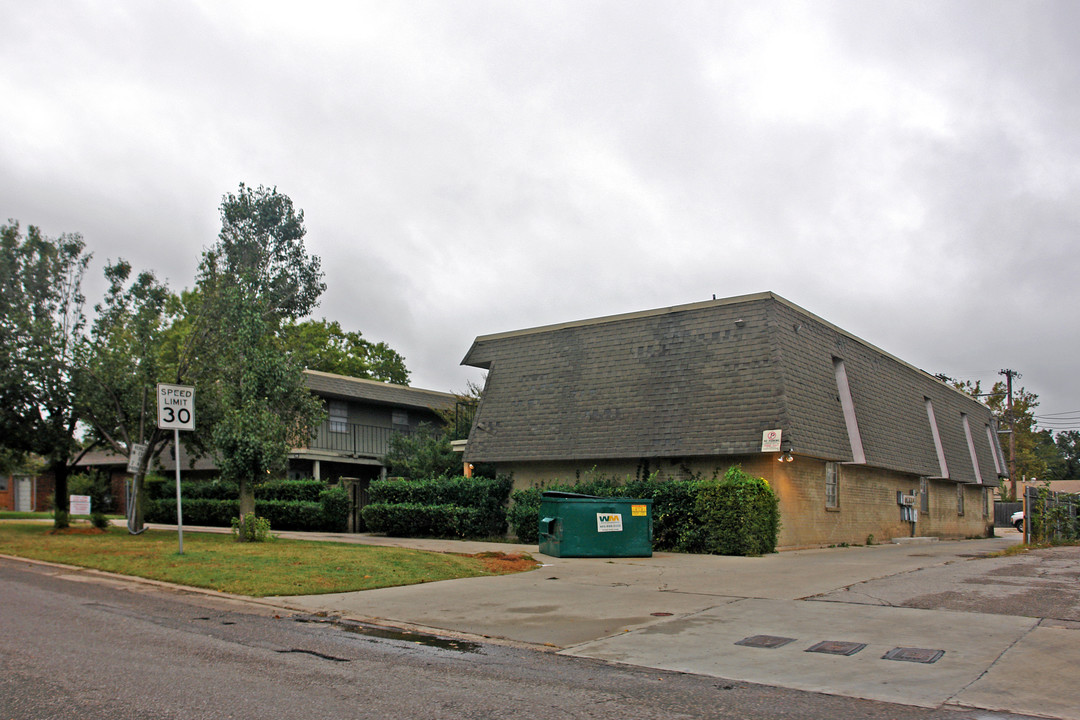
<point>179,511</point>
<point>1009,374</point>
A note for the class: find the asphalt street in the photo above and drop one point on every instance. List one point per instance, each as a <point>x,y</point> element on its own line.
<point>931,626</point>
<point>83,644</point>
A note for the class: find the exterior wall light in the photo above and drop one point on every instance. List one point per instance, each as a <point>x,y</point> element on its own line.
<point>785,456</point>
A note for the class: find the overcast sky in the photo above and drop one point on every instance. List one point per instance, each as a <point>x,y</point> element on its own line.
<point>909,171</point>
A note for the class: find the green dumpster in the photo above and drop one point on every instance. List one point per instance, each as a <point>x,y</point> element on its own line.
<point>573,525</point>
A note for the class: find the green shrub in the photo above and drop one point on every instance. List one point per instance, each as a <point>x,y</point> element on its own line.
<point>524,515</point>
<point>413,520</point>
<point>197,511</point>
<point>288,504</point>
<point>740,514</point>
<point>216,489</point>
<point>423,453</point>
<point>251,529</point>
<point>335,508</point>
<point>158,486</point>
<point>61,519</point>
<point>290,514</point>
<point>299,490</point>
<point>481,505</point>
<point>751,508</point>
<point>676,526</point>
<point>99,520</point>
<point>96,485</point>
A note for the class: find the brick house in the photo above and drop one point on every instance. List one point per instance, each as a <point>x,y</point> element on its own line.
<point>753,380</point>
<point>25,493</point>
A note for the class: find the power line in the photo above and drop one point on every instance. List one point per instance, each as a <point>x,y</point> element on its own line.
<point>1070,415</point>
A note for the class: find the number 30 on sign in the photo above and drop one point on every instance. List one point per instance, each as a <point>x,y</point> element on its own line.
<point>176,407</point>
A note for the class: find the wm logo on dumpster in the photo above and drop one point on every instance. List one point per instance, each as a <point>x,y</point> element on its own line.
<point>609,522</point>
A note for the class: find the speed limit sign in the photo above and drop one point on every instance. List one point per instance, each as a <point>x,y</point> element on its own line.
<point>176,407</point>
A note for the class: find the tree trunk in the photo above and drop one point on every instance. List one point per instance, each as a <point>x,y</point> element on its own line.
<point>247,503</point>
<point>61,507</point>
<point>138,490</point>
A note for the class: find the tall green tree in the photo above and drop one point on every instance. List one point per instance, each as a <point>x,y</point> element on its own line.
<point>41,319</point>
<point>1037,455</point>
<point>324,346</point>
<point>257,277</point>
<point>1068,443</point>
<point>123,362</point>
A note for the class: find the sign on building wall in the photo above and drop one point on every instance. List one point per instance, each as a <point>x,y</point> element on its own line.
<point>770,441</point>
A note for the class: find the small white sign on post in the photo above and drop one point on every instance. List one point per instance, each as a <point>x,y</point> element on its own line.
<point>176,412</point>
<point>770,441</point>
<point>79,504</point>
<point>135,457</point>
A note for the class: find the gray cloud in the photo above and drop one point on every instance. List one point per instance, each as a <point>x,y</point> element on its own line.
<point>907,171</point>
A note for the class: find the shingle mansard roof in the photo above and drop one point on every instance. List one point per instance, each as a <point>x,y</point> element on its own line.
<point>350,388</point>
<point>707,379</point>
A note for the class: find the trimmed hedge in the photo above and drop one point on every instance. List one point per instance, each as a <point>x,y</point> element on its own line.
<point>414,520</point>
<point>335,508</point>
<point>287,504</point>
<point>439,507</point>
<point>197,511</point>
<point>738,515</point>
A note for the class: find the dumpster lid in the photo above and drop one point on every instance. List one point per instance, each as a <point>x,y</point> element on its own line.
<point>561,494</point>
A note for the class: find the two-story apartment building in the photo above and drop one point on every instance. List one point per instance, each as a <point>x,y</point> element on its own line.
<point>361,417</point>
<point>858,444</point>
<point>351,443</point>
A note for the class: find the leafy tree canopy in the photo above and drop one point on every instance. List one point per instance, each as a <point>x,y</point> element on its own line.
<point>258,276</point>
<point>41,320</point>
<point>1038,454</point>
<point>325,346</point>
<point>1068,443</point>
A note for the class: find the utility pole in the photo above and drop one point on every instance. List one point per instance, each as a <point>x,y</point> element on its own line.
<point>1009,375</point>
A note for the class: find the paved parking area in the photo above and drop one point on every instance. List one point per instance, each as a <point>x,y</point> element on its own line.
<point>1004,632</point>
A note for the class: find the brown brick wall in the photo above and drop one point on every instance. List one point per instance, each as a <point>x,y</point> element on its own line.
<point>867,499</point>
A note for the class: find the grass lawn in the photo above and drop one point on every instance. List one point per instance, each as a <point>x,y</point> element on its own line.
<point>217,562</point>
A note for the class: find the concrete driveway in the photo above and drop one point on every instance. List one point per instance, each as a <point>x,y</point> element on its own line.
<point>923,624</point>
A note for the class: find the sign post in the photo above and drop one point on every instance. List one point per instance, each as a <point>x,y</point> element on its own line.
<point>176,412</point>
<point>131,485</point>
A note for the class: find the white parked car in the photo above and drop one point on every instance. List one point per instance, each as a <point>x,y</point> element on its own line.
<point>1017,520</point>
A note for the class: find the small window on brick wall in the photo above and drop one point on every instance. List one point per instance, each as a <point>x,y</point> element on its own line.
<point>832,486</point>
<point>959,499</point>
<point>924,495</point>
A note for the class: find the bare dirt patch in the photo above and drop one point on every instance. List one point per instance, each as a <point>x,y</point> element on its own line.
<point>501,563</point>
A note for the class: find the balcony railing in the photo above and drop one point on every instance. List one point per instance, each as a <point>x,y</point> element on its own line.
<point>353,438</point>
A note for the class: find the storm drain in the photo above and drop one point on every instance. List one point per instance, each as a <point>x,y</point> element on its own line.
<point>919,655</point>
<point>765,641</point>
<point>836,647</point>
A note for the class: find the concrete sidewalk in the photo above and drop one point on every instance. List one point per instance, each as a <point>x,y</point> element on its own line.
<point>687,612</point>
